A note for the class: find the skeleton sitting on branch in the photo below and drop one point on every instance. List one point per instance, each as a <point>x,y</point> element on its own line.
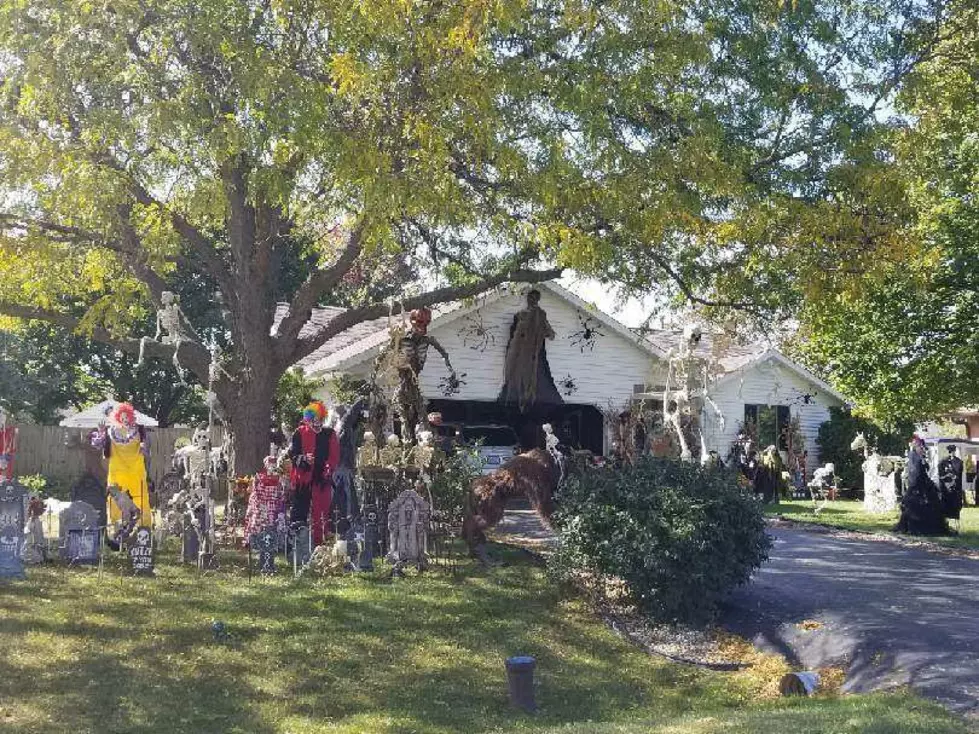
<point>172,328</point>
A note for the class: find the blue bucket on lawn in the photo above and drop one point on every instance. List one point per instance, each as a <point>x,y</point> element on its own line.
<point>520,682</point>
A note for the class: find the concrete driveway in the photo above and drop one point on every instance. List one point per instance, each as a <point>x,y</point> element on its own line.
<point>888,614</point>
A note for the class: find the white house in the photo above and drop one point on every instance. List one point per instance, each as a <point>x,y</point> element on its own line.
<point>599,366</point>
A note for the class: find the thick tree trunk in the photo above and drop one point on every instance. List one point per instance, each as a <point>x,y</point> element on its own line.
<point>249,413</point>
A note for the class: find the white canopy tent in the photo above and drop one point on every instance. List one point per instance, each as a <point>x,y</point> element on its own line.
<point>93,416</point>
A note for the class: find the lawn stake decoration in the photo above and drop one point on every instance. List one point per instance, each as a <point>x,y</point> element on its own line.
<point>78,526</point>
<point>266,545</point>
<point>475,334</point>
<point>141,553</point>
<point>586,336</point>
<point>13,497</point>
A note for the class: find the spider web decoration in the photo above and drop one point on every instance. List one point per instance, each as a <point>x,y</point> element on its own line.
<point>452,384</point>
<point>568,386</point>
<point>585,337</point>
<point>475,334</point>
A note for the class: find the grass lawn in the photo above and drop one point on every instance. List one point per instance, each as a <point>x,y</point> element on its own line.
<point>365,654</point>
<point>849,514</point>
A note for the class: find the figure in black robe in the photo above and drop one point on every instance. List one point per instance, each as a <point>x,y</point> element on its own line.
<point>527,376</point>
<point>922,512</point>
<point>950,480</point>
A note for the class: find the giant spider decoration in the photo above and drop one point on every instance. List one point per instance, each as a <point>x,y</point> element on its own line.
<point>585,337</point>
<point>568,386</point>
<point>452,384</point>
<point>475,334</point>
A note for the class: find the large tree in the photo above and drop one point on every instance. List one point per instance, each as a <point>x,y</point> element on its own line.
<point>654,144</point>
<point>903,340</point>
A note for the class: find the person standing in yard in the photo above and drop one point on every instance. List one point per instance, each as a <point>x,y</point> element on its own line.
<point>315,452</point>
<point>950,479</point>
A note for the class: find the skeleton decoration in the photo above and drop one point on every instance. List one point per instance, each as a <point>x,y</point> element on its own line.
<point>475,334</point>
<point>821,485</point>
<point>552,445</point>
<point>681,408</point>
<point>408,353</point>
<point>172,328</point>
<point>589,331</point>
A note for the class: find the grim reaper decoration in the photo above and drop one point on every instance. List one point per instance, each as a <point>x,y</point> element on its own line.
<point>528,380</point>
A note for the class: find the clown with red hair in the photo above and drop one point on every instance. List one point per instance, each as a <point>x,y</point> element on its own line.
<point>124,445</point>
<point>315,453</point>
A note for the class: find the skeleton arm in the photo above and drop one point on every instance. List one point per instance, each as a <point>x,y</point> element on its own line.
<point>433,342</point>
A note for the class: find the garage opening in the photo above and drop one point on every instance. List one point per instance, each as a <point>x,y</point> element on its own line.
<point>580,427</point>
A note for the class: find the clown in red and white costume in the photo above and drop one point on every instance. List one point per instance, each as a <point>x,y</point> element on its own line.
<point>315,453</point>
<point>267,501</point>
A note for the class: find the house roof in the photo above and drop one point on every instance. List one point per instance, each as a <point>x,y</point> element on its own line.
<point>96,415</point>
<point>352,346</point>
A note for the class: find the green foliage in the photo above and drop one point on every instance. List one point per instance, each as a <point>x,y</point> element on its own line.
<point>294,392</point>
<point>836,435</point>
<point>678,535</point>
<point>345,389</point>
<point>898,335</point>
<point>451,482</point>
<point>44,487</point>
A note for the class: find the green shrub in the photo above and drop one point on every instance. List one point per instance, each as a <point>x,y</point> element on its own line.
<point>45,487</point>
<point>678,535</point>
<point>836,435</point>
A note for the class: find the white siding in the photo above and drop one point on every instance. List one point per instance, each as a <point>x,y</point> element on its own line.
<point>604,375</point>
<point>768,383</point>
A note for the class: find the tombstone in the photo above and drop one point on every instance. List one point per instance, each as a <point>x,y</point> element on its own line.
<point>879,492</point>
<point>88,489</point>
<point>371,537</point>
<point>141,552</point>
<point>302,546</point>
<point>266,544</point>
<point>408,518</point>
<point>79,531</point>
<point>13,496</point>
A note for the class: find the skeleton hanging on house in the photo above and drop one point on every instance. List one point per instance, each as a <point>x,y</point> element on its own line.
<point>407,353</point>
<point>172,328</point>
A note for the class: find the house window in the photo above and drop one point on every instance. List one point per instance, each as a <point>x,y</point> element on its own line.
<point>771,424</point>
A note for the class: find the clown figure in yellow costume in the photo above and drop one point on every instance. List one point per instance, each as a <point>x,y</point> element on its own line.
<point>124,445</point>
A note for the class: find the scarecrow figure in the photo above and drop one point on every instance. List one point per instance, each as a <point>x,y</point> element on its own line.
<point>409,353</point>
<point>315,453</point>
<point>527,376</point>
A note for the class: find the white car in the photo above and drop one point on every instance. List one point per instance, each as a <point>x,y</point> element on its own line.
<point>496,445</point>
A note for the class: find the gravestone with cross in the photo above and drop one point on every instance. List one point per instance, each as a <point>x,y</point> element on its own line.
<point>13,518</point>
<point>141,552</point>
<point>266,544</point>
<point>79,528</point>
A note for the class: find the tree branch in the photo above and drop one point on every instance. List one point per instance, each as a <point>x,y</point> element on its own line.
<point>193,356</point>
<point>352,317</point>
<point>319,282</point>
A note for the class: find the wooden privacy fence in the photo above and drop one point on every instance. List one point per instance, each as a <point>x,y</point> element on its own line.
<point>43,450</point>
